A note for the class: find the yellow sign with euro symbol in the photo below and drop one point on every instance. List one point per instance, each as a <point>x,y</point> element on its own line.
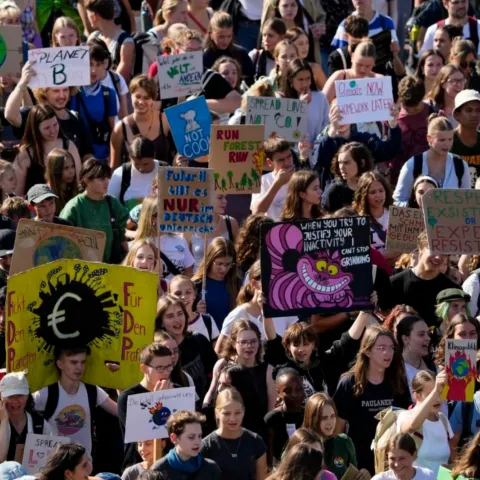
<point>70,303</point>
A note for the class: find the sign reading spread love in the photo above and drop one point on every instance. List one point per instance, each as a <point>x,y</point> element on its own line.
<point>60,67</point>
<point>38,448</point>
<point>11,52</point>
<point>73,303</point>
<point>404,226</point>
<point>236,157</point>
<point>364,99</point>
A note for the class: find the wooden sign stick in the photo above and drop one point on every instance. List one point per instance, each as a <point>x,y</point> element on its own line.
<point>204,279</point>
<point>157,450</point>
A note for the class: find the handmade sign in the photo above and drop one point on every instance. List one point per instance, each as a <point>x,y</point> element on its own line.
<point>236,157</point>
<point>461,368</point>
<point>11,50</point>
<point>147,413</point>
<point>320,266</point>
<point>60,67</point>
<point>190,124</point>
<point>180,75</point>
<point>75,303</point>
<point>364,99</point>
<point>283,117</point>
<point>404,226</point>
<point>383,48</point>
<point>452,220</point>
<point>38,448</point>
<point>38,243</point>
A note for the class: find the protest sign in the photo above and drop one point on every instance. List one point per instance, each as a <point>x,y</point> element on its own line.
<point>38,448</point>
<point>461,368</point>
<point>190,124</point>
<point>60,67</point>
<point>284,117</point>
<point>452,220</point>
<point>147,413</point>
<point>180,75</point>
<point>37,243</point>
<point>11,50</point>
<point>404,226</point>
<point>320,266</point>
<point>364,99</point>
<point>236,157</point>
<point>383,48</point>
<point>185,199</point>
<point>71,303</point>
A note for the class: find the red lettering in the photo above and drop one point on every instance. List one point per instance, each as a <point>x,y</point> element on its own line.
<point>31,460</point>
<point>10,358</point>
<point>126,285</point>
<point>219,134</point>
<point>237,157</point>
<point>169,204</point>
<point>181,205</point>
<point>127,344</point>
<point>9,303</point>
<point>128,322</point>
<point>11,332</point>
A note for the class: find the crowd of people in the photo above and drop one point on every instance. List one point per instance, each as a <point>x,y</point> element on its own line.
<point>295,397</point>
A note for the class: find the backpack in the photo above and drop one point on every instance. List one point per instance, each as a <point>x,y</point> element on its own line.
<point>207,320</point>
<point>473,25</point>
<point>37,423</point>
<point>115,78</point>
<point>126,180</point>
<point>457,163</point>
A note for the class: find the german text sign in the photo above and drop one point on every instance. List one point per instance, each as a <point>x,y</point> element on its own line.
<point>60,67</point>
<point>364,99</point>
<point>404,226</point>
<point>38,448</point>
<point>11,51</point>
<point>452,220</point>
<point>319,266</point>
<point>185,199</point>
<point>284,117</point>
<point>236,157</point>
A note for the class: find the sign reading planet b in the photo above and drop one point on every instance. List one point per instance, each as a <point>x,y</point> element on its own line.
<point>3,50</point>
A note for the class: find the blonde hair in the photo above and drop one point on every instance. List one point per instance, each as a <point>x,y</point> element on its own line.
<point>438,123</point>
<point>170,42</point>
<point>64,22</point>
<point>261,88</point>
<point>227,396</point>
<point>168,7</point>
<point>137,244</point>
<point>9,9</point>
<point>147,228</point>
<point>366,48</point>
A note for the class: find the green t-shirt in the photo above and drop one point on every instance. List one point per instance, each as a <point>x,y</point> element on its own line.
<point>471,155</point>
<point>339,454</point>
<point>83,212</point>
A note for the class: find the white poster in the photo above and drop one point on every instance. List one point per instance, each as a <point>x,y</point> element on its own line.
<point>38,448</point>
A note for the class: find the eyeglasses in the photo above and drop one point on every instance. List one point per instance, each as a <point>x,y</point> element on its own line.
<point>248,343</point>
<point>161,368</point>
<point>385,349</point>
<point>227,266</point>
<point>456,81</point>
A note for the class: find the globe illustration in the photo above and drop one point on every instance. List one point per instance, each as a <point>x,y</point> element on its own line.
<point>460,367</point>
<point>55,248</point>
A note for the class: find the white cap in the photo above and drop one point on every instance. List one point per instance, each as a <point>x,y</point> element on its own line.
<point>464,97</point>
<point>14,384</point>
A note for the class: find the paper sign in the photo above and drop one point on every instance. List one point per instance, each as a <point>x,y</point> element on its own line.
<point>38,243</point>
<point>284,117</point>
<point>11,50</point>
<point>75,303</point>
<point>364,99</point>
<point>60,67</point>
<point>180,75</point>
<point>185,199</point>
<point>236,157</point>
<point>321,266</point>
<point>461,368</point>
<point>38,448</point>
<point>452,220</point>
<point>190,124</point>
<point>147,413</point>
<point>404,226</point>
<point>383,48</point>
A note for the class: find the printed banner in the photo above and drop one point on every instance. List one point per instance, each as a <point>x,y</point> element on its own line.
<point>147,413</point>
<point>452,220</point>
<point>237,157</point>
<point>109,308</point>
<point>185,199</point>
<point>364,99</point>
<point>11,50</point>
<point>404,226</point>
<point>190,123</point>
<point>60,67</point>
<point>283,117</point>
<point>180,75</point>
<point>461,368</point>
<point>38,243</point>
<point>38,448</point>
<point>321,266</point>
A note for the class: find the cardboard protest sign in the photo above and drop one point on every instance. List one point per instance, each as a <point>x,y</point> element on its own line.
<point>461,368</point>
<point>180,75</point>
<point>38,448</point>
<point>404,226</point>
<point>383,48</point>
<point>364,99</point>
<point>285,117</point>
<point>185,199</point>
<point>236,157</point>
<point>319,266</point>
<point>37,243</point>
<point>109,308</point>
<point>60,67</point>
<point>11,50</point>
<point>147,413</point>
<point>452,220</point>
<point>190,124</point>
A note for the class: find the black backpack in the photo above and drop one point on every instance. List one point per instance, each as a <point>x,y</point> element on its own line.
<point>457,163</point>
<point>37,423</point>
<point>147,49</point>
<point>126,180</point>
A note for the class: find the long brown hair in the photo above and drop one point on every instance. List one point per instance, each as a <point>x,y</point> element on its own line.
<point>247,292</point>
<point>314,411</point>
<point>302,436</point>
<point>303,462</point>
<point>229,351</point>
<point>163,305</point>
<point>437,94</point>
<point>468,464</point>
<point>360,155</point>
<point>294,68</point>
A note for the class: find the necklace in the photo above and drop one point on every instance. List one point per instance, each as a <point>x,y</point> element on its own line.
<point>234,455</point>
<point>149,128</point>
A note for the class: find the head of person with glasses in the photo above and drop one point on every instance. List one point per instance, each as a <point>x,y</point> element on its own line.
<point>156,364</point>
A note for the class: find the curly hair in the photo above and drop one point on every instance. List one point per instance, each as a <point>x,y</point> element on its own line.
<point>229,351</point>
<point>177,421</point>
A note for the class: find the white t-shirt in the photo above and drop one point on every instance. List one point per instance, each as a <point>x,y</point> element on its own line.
<point>375,239</point>
<point>199,326</point>
<point>421,474</point>
<point>275,208</point>
<point>72,417</point>
<point>121,86</point>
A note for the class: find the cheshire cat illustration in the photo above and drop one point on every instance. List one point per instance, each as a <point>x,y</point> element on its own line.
<point>302,280</point>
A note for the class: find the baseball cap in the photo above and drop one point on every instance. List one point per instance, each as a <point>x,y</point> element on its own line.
<point>464,97</point>
<point>451,294</point>
<point>15,383</point>
<point>7,242</point>
<point>39,192</point>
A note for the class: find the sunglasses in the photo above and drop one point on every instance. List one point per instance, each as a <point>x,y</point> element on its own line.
<point>468,65</point>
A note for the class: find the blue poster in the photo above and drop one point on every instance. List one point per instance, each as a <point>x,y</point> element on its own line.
<point>190,124</point>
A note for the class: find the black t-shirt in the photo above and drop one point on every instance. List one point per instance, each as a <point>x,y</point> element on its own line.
<point>238,53</point>
<point>214,86</point>
<point>335,61</point>
<point>337,196</point>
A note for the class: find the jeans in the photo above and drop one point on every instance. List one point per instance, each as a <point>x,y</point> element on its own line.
<point>247,34</point>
